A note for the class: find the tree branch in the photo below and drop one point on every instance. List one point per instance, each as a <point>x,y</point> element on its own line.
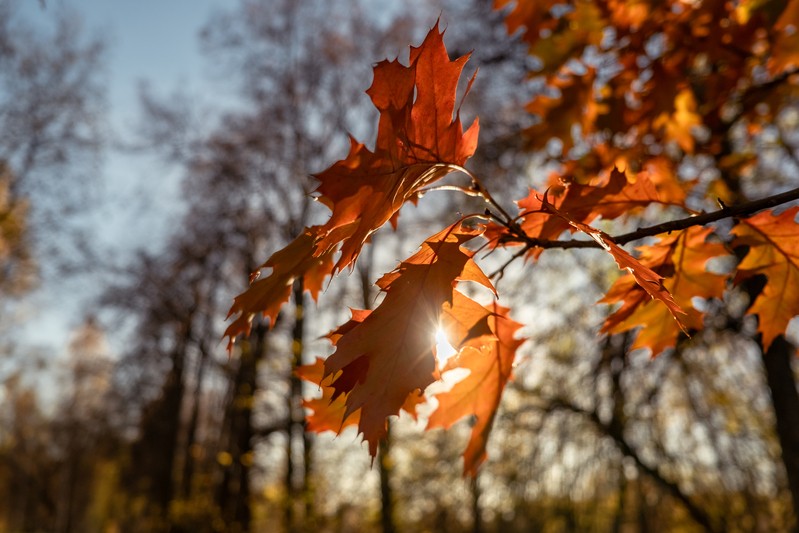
<point>672,488</point>
<point>743,209</point>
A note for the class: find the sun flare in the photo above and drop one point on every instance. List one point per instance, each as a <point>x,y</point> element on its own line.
<point>444,349</point>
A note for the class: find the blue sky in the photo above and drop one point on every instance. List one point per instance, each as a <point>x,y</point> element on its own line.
<point>148,39</point>
<point>153,41</point>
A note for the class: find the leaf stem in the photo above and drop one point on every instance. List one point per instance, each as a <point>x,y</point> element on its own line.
<point>458,188</point>
<point>481,190</point>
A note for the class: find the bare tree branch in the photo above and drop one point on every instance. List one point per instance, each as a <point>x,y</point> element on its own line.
<point>743,209</point>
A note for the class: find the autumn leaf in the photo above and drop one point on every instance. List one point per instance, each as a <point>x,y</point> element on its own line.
<point>329,412</point>
<point>389,356</point>
<point>773,242</point>
<point>661,173</point>
<point>417,143</point>
<point>785,48</point>
<point>464,321</point>
<point>629,14</point>
<point>542,26</point>
<point>682,258</point>
<point>490,364</point>
<point>585,27</point>
<point>678,125</point>
<point>357,316</point>
<point>532,16</point>
<point>647,279</point>
<point>574,104</point>
<point>536,222</point>
<point>326,413</point>
<point>300,258</point>
<point>610,197</point>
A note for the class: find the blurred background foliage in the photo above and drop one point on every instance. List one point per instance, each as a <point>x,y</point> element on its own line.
<point>146,424</point>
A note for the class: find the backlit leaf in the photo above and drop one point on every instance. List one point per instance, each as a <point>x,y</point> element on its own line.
<point>490,364</point>
<point>389,356</point>
<point>773,242</point>
<point>417,140</point>
<point>681,258</point>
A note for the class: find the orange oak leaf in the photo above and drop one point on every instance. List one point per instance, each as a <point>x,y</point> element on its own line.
<point>533,16</point>
<point>536,222</point>
<point>660,171</point>
<point>773,242</point>
<point>389,356</point>
<point>585,27</point>
<point>490,363</point>
<point>575,104</point>
<point>785,48</point>
<point>463,320</point>
<point>610,197</point>
<point>542,26</point>
<point>647,279</point>
<point>682,258</point>
<point>327,413</point>
<point>417,143</point>
<point>300,258</point>
<point>356,317</point>
<point>678,125</point>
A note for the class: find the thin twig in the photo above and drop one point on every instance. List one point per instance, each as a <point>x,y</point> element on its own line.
<point>500,272</point>
<point>482,191</point>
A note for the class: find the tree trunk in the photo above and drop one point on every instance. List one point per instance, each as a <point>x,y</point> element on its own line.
<point>384,464</point>
<point>191,432</point>
<point>154,453</point>
<point>477,516</point>
<point>618,515</point>
<point>295,428</point>
<point>386,494</point>
<point>785,399</point>
<point>233,494</point>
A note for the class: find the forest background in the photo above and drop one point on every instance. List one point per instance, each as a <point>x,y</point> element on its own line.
<point>140,226</point>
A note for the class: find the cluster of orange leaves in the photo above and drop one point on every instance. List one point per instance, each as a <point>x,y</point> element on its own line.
<point>385,359</point>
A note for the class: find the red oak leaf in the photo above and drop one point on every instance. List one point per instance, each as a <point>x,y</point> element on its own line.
<point>327,413</point>
<point>490,362</point>
<point>609,197</point>
<point>532,16</point>
<point>330,414</point>
<point>785,50</point>
<point>266,296</point>
<point>389,356</point>
<point>463,320</point>
<point>417,142</point>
